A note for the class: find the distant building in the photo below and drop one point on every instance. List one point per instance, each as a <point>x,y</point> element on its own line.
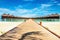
<point>52,17</point>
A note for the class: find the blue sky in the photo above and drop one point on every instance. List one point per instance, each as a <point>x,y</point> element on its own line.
<point>29,8</point>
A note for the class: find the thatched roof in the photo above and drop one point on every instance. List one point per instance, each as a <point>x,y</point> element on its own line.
<point>43,17</point>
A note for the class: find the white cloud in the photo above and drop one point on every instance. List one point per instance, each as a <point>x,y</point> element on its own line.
<point>45,5</point>
<point>27,12</point>
<point>17,7</point>
<point>17,12</point>
<point>4,10</point>
<point>55,2</point>
<point>22,10</point>
<point>29,15</point>
<point>58,4</point>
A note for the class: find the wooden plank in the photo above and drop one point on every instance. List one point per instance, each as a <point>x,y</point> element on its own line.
<point>29,26</point>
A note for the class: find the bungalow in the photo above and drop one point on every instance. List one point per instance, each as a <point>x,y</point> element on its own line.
<point>52,17</point>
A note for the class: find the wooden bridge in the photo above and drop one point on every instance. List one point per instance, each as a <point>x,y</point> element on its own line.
<point>31,31</point>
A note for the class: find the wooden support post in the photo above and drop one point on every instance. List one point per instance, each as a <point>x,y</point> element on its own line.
<point>41,23</point>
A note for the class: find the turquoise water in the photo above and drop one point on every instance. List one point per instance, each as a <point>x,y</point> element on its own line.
<point>36,20</point>
<point>45,20</point>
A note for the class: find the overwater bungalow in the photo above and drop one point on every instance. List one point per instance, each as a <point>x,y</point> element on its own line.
<point>52,17</point>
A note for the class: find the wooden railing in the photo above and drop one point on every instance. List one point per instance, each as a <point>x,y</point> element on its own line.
<point>50,30</point>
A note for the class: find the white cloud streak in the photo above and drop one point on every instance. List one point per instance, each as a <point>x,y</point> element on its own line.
<point>45,5</point>
<point>26,12</point>
<point>58,4</point>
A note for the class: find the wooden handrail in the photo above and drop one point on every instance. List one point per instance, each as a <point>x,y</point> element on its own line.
<point>51,32</point>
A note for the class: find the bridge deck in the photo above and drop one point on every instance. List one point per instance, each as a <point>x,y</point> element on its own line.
<point>28,26</point>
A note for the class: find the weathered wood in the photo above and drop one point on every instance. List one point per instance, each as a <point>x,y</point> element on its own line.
<point>28,26</point>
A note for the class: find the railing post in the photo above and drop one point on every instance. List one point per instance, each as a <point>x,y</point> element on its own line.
<point>41,23</point>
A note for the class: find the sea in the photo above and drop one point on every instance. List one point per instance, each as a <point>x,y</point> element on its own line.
<point>36,20</point>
